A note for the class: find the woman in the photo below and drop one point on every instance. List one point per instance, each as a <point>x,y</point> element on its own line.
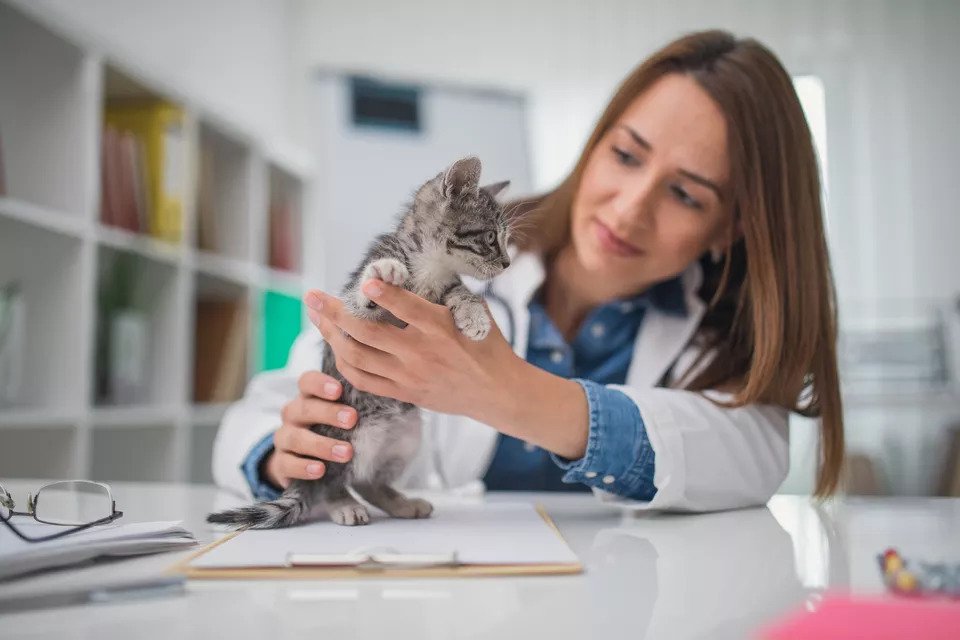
<point>671,303</point>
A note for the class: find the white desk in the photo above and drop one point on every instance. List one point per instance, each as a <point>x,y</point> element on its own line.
<point>655,576</point>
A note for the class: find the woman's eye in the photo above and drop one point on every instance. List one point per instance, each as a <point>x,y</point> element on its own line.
<point>625,157</point>
<point>685,198</point>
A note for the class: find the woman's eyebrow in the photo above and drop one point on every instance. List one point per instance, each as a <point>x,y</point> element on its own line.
<point>701,180</point>
<point>640,140</point>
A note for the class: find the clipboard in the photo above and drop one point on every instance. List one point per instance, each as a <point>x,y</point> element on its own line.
<point>376,562</point>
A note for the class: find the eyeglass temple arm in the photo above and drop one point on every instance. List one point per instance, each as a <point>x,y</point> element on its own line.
<point>59,534</point>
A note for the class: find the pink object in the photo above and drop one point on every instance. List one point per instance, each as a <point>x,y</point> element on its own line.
<point>877,618</point>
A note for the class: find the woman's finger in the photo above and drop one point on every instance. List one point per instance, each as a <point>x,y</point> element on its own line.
<point>372,383</point>
<point>379,335</point>
<point>356,354</point>
<point>290,466</point>
<point>304,442</point>
<point>319,384</point>
<point>304,411</point>
<point>405,305</point>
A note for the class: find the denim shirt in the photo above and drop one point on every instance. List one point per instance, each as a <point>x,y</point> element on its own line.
<point>619,458</point>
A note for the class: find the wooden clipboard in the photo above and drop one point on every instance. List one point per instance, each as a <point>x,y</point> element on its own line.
<point>345,572</point>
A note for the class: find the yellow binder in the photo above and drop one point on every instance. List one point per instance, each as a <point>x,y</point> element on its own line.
<point>160,128</point>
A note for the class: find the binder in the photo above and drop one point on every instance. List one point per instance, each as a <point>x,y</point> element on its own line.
<point>159,128</point>
<point>385,561</point>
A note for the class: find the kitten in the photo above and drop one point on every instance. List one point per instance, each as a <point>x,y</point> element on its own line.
<point>453,227</point>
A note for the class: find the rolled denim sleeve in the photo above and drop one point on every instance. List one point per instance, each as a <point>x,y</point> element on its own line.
<point>619,458</point>
<point>259,486</point>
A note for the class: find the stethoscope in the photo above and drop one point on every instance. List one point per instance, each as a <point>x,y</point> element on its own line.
<point>489,295</point>
<point>436,478</point>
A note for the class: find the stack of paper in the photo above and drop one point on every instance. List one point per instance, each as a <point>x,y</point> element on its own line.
<point>18,556</point>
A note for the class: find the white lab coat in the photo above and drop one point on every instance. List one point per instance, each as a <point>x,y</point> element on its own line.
<point>708,457</point>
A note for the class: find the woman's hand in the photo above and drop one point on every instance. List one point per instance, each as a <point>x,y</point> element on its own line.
<point>428,363</point>
<point>298,450</point>
<point>432,365</point>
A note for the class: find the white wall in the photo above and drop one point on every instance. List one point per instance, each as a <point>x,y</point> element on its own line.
<point>230,55</point>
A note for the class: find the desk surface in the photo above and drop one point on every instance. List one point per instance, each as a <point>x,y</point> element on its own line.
<point>651,575</point>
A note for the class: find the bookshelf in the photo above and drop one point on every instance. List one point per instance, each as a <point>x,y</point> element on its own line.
<point>69,416</point>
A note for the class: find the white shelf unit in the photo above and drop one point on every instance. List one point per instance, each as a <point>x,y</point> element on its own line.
<point>52,242</point>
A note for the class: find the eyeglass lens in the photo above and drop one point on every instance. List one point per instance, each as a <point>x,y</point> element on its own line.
<point>73,503</point>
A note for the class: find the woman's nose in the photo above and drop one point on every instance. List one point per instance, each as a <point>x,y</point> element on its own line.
<point>634,204</point>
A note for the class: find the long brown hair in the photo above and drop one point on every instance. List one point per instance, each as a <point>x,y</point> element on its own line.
<point>771,323</point>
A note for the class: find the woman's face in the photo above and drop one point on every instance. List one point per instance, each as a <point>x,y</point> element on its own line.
<point>653,195</point>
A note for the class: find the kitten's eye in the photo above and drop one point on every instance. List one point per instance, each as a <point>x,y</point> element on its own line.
<point>491,237</point>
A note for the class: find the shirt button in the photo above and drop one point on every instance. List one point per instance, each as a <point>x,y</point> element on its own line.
<point>591,474</point>
<point>529,448</point>
<point>626,307</point>
<point>598,330</point>
<point>608,479</point>
<point>556,356</point>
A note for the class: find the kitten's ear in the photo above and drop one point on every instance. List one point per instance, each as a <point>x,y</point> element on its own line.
<point>496,187</point>
<point>462,176</point>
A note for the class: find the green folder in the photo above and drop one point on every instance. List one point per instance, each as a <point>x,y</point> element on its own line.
<point>282,316</point>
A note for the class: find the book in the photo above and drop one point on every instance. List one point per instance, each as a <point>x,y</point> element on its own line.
<point>220,347</point>
<point>158,126</point>
<point>109,203</point>
<point>283,234</point>
<point>127,215</point>
<point>232,373</point>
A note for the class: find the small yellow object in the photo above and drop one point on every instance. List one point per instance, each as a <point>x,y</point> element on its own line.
<point>905,581</point>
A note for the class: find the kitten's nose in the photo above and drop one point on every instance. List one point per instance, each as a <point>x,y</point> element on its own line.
<point>505,262</point>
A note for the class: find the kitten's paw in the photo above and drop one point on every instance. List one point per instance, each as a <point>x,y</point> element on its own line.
<point>350,515</point>
<point>412,508</point>
<point>472,320</point>
<point>389,270</point>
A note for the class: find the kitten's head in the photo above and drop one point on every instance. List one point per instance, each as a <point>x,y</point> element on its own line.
<point>472,227</point>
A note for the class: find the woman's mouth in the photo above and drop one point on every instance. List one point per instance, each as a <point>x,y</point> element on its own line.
<point>610,242</point>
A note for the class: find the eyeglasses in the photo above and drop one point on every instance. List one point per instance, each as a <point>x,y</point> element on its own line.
<point>78,504</point>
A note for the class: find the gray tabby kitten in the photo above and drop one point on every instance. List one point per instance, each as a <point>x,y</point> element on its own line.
<point>453,227</point>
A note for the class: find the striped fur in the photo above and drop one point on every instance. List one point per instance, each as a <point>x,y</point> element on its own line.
<point>452,227</point>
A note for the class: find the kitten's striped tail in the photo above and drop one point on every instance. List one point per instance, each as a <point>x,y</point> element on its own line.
<point>289,509</point>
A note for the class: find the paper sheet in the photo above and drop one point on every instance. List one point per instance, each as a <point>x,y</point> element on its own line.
<point>484,534</point>
<point>115,539</point>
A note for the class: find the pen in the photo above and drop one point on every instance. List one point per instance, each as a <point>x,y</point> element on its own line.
<point>116,592</point>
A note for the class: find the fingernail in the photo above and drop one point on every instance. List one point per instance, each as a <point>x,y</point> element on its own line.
<point>343,417</point>
<point>315,468</point>
<point>372,289</point>
<point>314,301</point>
<point>332,389</point>
<point>341,450</point>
